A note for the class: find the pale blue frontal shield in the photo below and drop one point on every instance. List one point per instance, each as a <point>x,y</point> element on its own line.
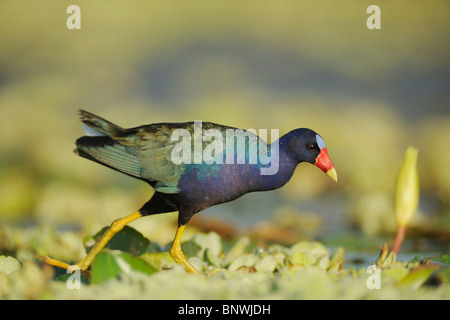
<point>320,142</point>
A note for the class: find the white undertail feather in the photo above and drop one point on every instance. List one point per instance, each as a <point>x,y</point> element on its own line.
<point>91,132</point>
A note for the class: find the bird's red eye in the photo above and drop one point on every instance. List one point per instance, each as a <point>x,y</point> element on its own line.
<point>311,147</point>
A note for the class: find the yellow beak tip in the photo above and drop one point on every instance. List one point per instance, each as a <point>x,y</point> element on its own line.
<point>333,174</point>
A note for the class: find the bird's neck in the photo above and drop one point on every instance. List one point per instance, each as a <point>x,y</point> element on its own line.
<point>282,166</point>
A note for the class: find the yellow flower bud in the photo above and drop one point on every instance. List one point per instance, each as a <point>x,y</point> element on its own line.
<point>407,188</point>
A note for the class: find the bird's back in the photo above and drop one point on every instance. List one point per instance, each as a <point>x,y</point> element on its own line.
<point>145,152</point>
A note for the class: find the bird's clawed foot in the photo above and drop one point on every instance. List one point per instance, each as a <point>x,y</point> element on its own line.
<point>177,254</point>
<point>179,258</point>
<point>82,266</point>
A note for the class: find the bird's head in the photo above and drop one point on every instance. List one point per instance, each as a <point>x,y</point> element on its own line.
<point>306,145</point>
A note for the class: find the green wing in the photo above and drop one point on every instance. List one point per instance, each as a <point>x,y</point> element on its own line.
<point>143,152</point>
<point>154,148</point>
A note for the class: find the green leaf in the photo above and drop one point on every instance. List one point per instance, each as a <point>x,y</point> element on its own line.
<point>104,267</point>
<point>154,247</point>
<point>128,240</point>
<point>414,262</point>
<point>308,253</point>
<point>266,264</point>
<point>418,276</point>
<point>211,241</point>
<point>314,247</point>
<point>190,248</point>
<point>444,260</point>
<point>111,264</point>
<point>158,260</point>
<point>337,260</point>
<point>303,258</point>
<point>210,258</point>
<point>135,263</point>
<point>386,258</point>
<point>8,265</point>
<point>247,260</point>
<point>395,273</point>
<point>198,264</point>
<point>239,247</point>
<point>64,277</point>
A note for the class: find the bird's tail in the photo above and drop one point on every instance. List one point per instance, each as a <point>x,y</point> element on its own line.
<point>95,126</point>
<point>100,145</point>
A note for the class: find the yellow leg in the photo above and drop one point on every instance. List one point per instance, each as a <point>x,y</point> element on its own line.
<point>115,227</point>
<point>177,254</point>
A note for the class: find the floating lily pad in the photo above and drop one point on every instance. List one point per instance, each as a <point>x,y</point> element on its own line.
<point>303,258</point>
<point>211,241</point>
<point>111,264</point>
<point>210,258</point>
<point>198,264</point>
<point>337,260</point>
<point>128,240</point>
<point>9,265</point>
<point>314,247</point>
<point>191,248</point>
<point>266,264</point>
<point>418,276</point>
<point>239,247</point>
<point>158,260</point>
<point>444,260</point>
<point>68,276</point>
<point>247,260</point>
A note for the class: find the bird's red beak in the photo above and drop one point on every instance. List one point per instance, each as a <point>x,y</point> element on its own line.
<point>323,162</point>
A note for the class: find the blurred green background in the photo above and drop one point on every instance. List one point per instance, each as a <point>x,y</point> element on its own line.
<point>249,64</point>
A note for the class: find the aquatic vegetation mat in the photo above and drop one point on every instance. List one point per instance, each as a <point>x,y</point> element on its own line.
<point>133,267</point>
